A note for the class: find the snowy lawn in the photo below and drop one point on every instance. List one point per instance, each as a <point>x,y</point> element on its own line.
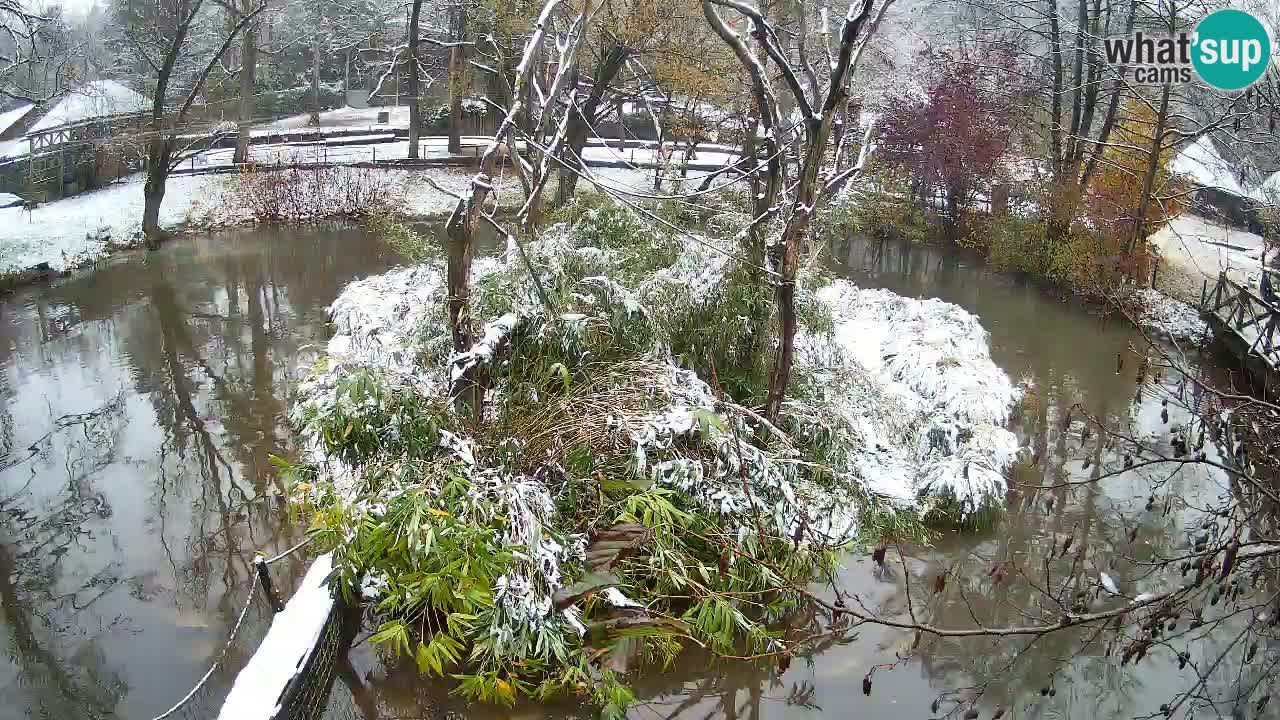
<point>76,231</point>
<point>349,150</point>
<point>71,232</point>
<point>1197,250</point>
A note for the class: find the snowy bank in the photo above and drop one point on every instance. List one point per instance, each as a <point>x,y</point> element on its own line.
<point>1168,317</point>
<point>73,232</point>
<point>69,233</point>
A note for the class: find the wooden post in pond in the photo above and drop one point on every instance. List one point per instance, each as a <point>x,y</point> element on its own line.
<point>264,577</point>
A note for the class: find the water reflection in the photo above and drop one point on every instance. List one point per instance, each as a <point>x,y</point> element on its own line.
<point>1067,358</point>
<point>139,407</point>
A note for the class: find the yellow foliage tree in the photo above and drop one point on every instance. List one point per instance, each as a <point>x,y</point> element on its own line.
<point>1118,189</point>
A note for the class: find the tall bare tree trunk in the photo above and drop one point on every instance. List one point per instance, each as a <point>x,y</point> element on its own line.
<point>1149,177</point>
<point>455,100</point>
<point>315,82</point>
<point>622,126</point>
<point>457,83</point>
<point>415,102</point>
<point>248,72</point>
<point>793,238</point>
<point>581,117</point>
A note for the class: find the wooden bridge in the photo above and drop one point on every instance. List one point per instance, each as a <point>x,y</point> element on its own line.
<point>1249,327</point>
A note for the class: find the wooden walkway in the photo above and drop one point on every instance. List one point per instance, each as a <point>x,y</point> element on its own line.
<point>1247,325</point>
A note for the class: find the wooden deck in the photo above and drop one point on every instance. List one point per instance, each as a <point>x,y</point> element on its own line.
<point>1248,326</point>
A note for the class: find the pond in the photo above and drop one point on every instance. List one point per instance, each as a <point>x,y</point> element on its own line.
<point>142,404</point>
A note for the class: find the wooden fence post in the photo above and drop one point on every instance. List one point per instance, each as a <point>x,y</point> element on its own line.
<point>264,577</point>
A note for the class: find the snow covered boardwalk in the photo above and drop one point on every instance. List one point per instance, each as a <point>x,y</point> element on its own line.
<point>1248,325</point>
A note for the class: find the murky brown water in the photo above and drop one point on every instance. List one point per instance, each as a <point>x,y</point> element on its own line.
<point>154,391</point>
<point>139,407</point>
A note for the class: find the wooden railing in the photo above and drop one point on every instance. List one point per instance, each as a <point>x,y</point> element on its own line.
<point>1241,311</point>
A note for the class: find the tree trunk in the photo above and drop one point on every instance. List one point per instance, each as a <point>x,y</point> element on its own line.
<point>1149,177</point>
<point>455,100</point>
<point>457,83</point>
<point>1055,104</point>
<point>158,154</point>
<point>459,283</point>
<point>461,230</point>
<point>315,83</point>
<point>793,239</point>
<point>415,110</point>
<point>622,127</point>
<point>581,117</point>
<point>248,71</point>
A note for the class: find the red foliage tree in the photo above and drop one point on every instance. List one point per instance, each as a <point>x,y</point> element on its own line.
<point>953,137</point>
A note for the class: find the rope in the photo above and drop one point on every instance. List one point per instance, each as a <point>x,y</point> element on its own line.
<point>289,552</point>
<point>248,600</point>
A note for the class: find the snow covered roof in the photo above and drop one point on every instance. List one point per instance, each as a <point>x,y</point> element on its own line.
<point>1202,163</point>
<point>9,117</point>
<point>100,98</point>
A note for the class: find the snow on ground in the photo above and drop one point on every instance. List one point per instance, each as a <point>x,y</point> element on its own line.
<point>293,636</point>
<point>75,231</point>
<point>1170,317</point>
<point>347,150</point>
<point>1197,250</point>
<point>344,117</point>
<point>343,154</point>
<point>71,232</point>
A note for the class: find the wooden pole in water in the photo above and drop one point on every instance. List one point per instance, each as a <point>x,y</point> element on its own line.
<point>264,578</point>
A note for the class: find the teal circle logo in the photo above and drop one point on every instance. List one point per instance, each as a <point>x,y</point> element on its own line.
<point>1232,49</point>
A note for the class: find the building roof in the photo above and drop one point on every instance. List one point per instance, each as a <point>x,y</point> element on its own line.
<point>100,98</point>
<point>9,117</point>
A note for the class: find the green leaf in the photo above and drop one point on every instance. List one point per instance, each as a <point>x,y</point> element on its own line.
<point>427,661</point>
<point>707,419</point>
<point>559,369</point>
<point>591,582</point>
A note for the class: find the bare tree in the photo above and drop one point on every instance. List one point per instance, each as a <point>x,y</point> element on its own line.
<point>181,44</point>
<point>248,77</point>
<point>817,103</point>
<point>565,33</point>
<point>29,40</point>
<point>415,101</point>
<point>457,73</point>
